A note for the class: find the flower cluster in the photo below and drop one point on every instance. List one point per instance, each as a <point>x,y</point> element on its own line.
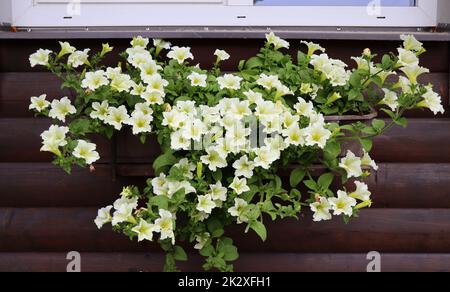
<point>228,139</point>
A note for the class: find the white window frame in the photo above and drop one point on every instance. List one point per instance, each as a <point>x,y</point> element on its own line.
<point>148,13</point>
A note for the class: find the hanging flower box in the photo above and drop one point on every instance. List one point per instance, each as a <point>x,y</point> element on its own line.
<point>227,140</point>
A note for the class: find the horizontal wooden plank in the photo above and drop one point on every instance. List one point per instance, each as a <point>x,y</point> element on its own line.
<point>15,97</point>
<point>29,185</point>
<point>383,230</point>
<point>14,53</point>
<point>429,138</point>
<point>248,262</point>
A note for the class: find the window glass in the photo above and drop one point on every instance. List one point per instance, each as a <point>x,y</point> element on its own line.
<point>393,3</point>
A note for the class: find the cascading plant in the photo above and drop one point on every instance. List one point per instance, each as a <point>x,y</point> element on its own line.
<point>225,138</point>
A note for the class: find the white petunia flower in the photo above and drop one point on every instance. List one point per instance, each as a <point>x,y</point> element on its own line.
<point>123,213</point>
<point>180,54</point>
<point>54,138</point>
<point>161,44</point>
<point>229,81</point>
<point>61,109</point>
<point>86,151</point>
<point>239,210</point>
<point>78,58</point>
<point>138,56</point>
<point>244,167</point>
<point>214,160</point>
<point>321,210</point>
<point>294,135</point>
<point>148,70</point>
<point>66,49</point>
<point>366,160</point>
<point>153,97</point>
<point>41,57</point>
<point>304,108</point>
<point>117,117</point>
<point>160,185</point>
<point>206,204</point>
<point>312,48</point>
<point>122,82</point>
<point>352,165</point>
<point>145,230</point>
<point>140,122</point>
<point>390,99</point>
<point>410,43</point>
<point>143,108</point>
<point>94,80</point>
<point>186,167</point>
<point>202,240</point>
<point>139,41</point>
<point>276,41</point>
<point>239,185</point>
<point>221,55</point>
<point>198,80</point>
<point>176,186</point>
<point>343,204</point>
<point>362,192</point>
<point>254,97</point>
<point>39,103</point>
<point>432,101</point>
<point>165,225</point>
<point>179,142</point>
<point>413,72</point>
<point>156,84</point>
<point>407,58</point>
<point>265,156</point>
<point>218,192</point>
<point>194,130</point>
<point>317,135</point>
<point>138,89</point>
<point>268,81</point>
<point>103,217</point>
<point>100,111</point>
<point>113,73</point>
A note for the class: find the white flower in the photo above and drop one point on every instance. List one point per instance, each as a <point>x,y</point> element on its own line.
<point>122,82</point>
<point>433,101</point>
<point>165,225</point>
<point>410,43</point>
<point>362,192</point>
<point>194,130</point>
<point>390,99</point>
<point>100,111</point>
<point>140,42</point>
<point>321,210</point>
<point>41,57</point>
<point>132,203</point>
<point>103,217</point>
<point>54,138</point>
<point>140,122</point>
<point>366,160</point>
<point>117,117</point>
<point>176,186</point>
<point>186,168</point>
<point>294,135</point>
<point>254,97</point>
<point>352,165</point>
<point>39,103</point>
<point>148,69</point>
<point>161,44</point>
<point>317,135</point>
<point>205,204</point>
<point>304,108</point>
<point>145,230</point>
<point>265,156</point>
<point>214,160</point>
<point>138,56</point>
<point>156,84</point>
<point>239,185</point>
<point>179,142</point>
<point>153,97</point>
<point>61,108</point>
<point>78,58</point>
<point>221,55</point>
<point>229,81</point>
<point>413,72</point>
<point>180,54</point>
<point>142,108</point>
<point>239,210</point>
<point>218,192</point>
<point>123,213</point>
<point>277,42</point>
<point>113,73</point>
<point>268,81</point>
<point>86,151</point>
<point>405,84</point>
<point>202,240</point>
<point>138,89</point>
<point>343,204</point>
<point>407,58</point>
<point>94,80</point>
<point>312,48</point>
<point>66,48</point>
<point>160,185</point>
<point>198,80</point>
<point>244,167</point>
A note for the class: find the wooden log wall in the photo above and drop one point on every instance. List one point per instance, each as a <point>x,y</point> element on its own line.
<point>45,213</point>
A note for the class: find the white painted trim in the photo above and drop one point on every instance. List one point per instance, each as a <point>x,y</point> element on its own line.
<point>52,13</point>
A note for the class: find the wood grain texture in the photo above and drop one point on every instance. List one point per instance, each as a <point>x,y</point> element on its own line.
<point>248,262</point>
<point>383,230</point>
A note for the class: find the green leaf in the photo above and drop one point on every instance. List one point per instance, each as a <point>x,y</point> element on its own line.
<point>366,143</point>
<point>163,161</point>
<point>260,229</point>
<point>297,176</point>
<point>378,125</point>
<point>80,127</point>
<point>326,180</point>
<point>162,202</point>
<point>230,253</point>
<point>355,80</point>
<point>179,254</point>
<point>310,184</point>
<point>207,251</point>
<point>333,149</point>
<point>386,62</point>
<point>254,62</point>
<point>241,65</point>
<point>403,122</point>
<point>215,227</point>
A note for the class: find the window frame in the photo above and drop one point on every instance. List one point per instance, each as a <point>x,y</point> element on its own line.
<point>53,13</point>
